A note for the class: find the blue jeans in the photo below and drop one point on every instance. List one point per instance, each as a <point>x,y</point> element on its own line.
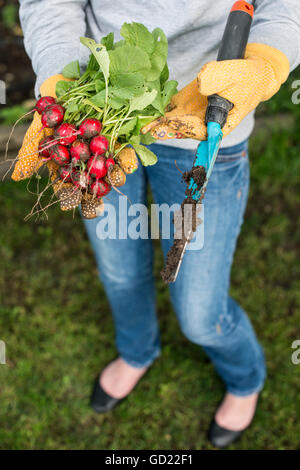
<point>207,315</point>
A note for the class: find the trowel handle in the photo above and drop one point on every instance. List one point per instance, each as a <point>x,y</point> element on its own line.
<point>233,45</point>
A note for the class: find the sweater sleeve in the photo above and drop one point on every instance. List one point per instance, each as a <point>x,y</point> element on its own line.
<point>277,24</point>
<point>52,29</point>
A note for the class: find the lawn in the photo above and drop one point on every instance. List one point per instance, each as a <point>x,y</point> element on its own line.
<point>55,321</point>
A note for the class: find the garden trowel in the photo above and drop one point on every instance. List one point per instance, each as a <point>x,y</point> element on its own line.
<point>232,47</point>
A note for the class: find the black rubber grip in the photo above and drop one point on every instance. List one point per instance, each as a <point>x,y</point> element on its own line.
<point>235,37</point>
<point>233,45</point>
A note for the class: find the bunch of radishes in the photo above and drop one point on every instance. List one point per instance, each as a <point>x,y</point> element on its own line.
<point>81,154</point>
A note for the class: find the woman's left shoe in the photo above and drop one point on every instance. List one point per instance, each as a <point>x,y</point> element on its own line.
<point>221,437</point>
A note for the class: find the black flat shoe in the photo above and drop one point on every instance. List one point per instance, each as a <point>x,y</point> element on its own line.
<point>221,437</point>
<point>101,402</point>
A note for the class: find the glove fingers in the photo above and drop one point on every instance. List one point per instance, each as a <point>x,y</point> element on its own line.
<point>233,120</point>
<point>216,77</point>
<point>153,124</point>
<point>165,132</point>
<point>187,101</point>
<point>189,125</point>
<point>48,88</point>
<point>180,127</point>
<point>185,95</point>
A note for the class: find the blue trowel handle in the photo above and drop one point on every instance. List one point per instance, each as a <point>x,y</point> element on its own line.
<point>233,45</point>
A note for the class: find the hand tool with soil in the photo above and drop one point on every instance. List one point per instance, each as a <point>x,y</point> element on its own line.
<point>232,47</point>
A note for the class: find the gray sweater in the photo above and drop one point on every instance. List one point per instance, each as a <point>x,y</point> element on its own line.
<point>194,29</point>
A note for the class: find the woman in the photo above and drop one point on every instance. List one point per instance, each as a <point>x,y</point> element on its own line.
<point>207,315</point>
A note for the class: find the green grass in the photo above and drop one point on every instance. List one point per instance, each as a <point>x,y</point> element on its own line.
<point>58,330</point>
<point>9,15</point>
<point>10,114</point>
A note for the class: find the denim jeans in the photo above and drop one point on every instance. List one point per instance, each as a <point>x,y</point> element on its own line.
<point>207,315</point>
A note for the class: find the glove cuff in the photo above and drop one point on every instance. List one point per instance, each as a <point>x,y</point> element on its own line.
<point>48,87</point>
<point>275,58</point>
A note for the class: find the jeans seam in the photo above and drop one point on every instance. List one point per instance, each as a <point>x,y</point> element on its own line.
<point>239,393</point>
<point>230,158</point>
<point>145,364</point>
<point>262,377</point>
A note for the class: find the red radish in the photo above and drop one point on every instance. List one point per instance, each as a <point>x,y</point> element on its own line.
<point>64,172</point>
<point>44,146</point>
<point>90,128</point>
<point>75,174</point>
<point>96,166</point>
<point>43,102</point>
<point>40,106</point>
<point>109,162</point>
<point>53,115</point>
<point>80,151</point>
<point>100,188</point>
<point>87,178</point>
<point>99,145</point>
<point>66,133</point>
<point>49,119</point>
<point>60,154</point>
<point>80,179</point>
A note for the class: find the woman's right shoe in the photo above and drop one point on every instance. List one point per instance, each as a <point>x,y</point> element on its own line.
<point>101,402</point>
<point>221,437</point>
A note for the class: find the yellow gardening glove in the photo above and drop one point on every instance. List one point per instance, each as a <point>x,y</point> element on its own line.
<point>28,158</point>
<point>186,118</point>
<point>245,83</point>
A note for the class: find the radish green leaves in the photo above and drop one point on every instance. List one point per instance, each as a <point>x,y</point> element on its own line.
<point>125,85</point>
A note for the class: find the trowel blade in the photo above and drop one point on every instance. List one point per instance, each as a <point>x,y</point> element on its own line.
<point>207,153</point>
<point>214,140</point>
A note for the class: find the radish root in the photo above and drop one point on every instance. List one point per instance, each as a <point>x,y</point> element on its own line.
<point>12,131</point>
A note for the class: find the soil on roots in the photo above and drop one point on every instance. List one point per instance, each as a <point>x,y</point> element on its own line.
<point>192,220</point>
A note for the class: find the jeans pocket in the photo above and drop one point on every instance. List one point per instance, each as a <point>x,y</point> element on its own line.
<point>231,164</point>
<point>236,152</point>
<point>230,176</point>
